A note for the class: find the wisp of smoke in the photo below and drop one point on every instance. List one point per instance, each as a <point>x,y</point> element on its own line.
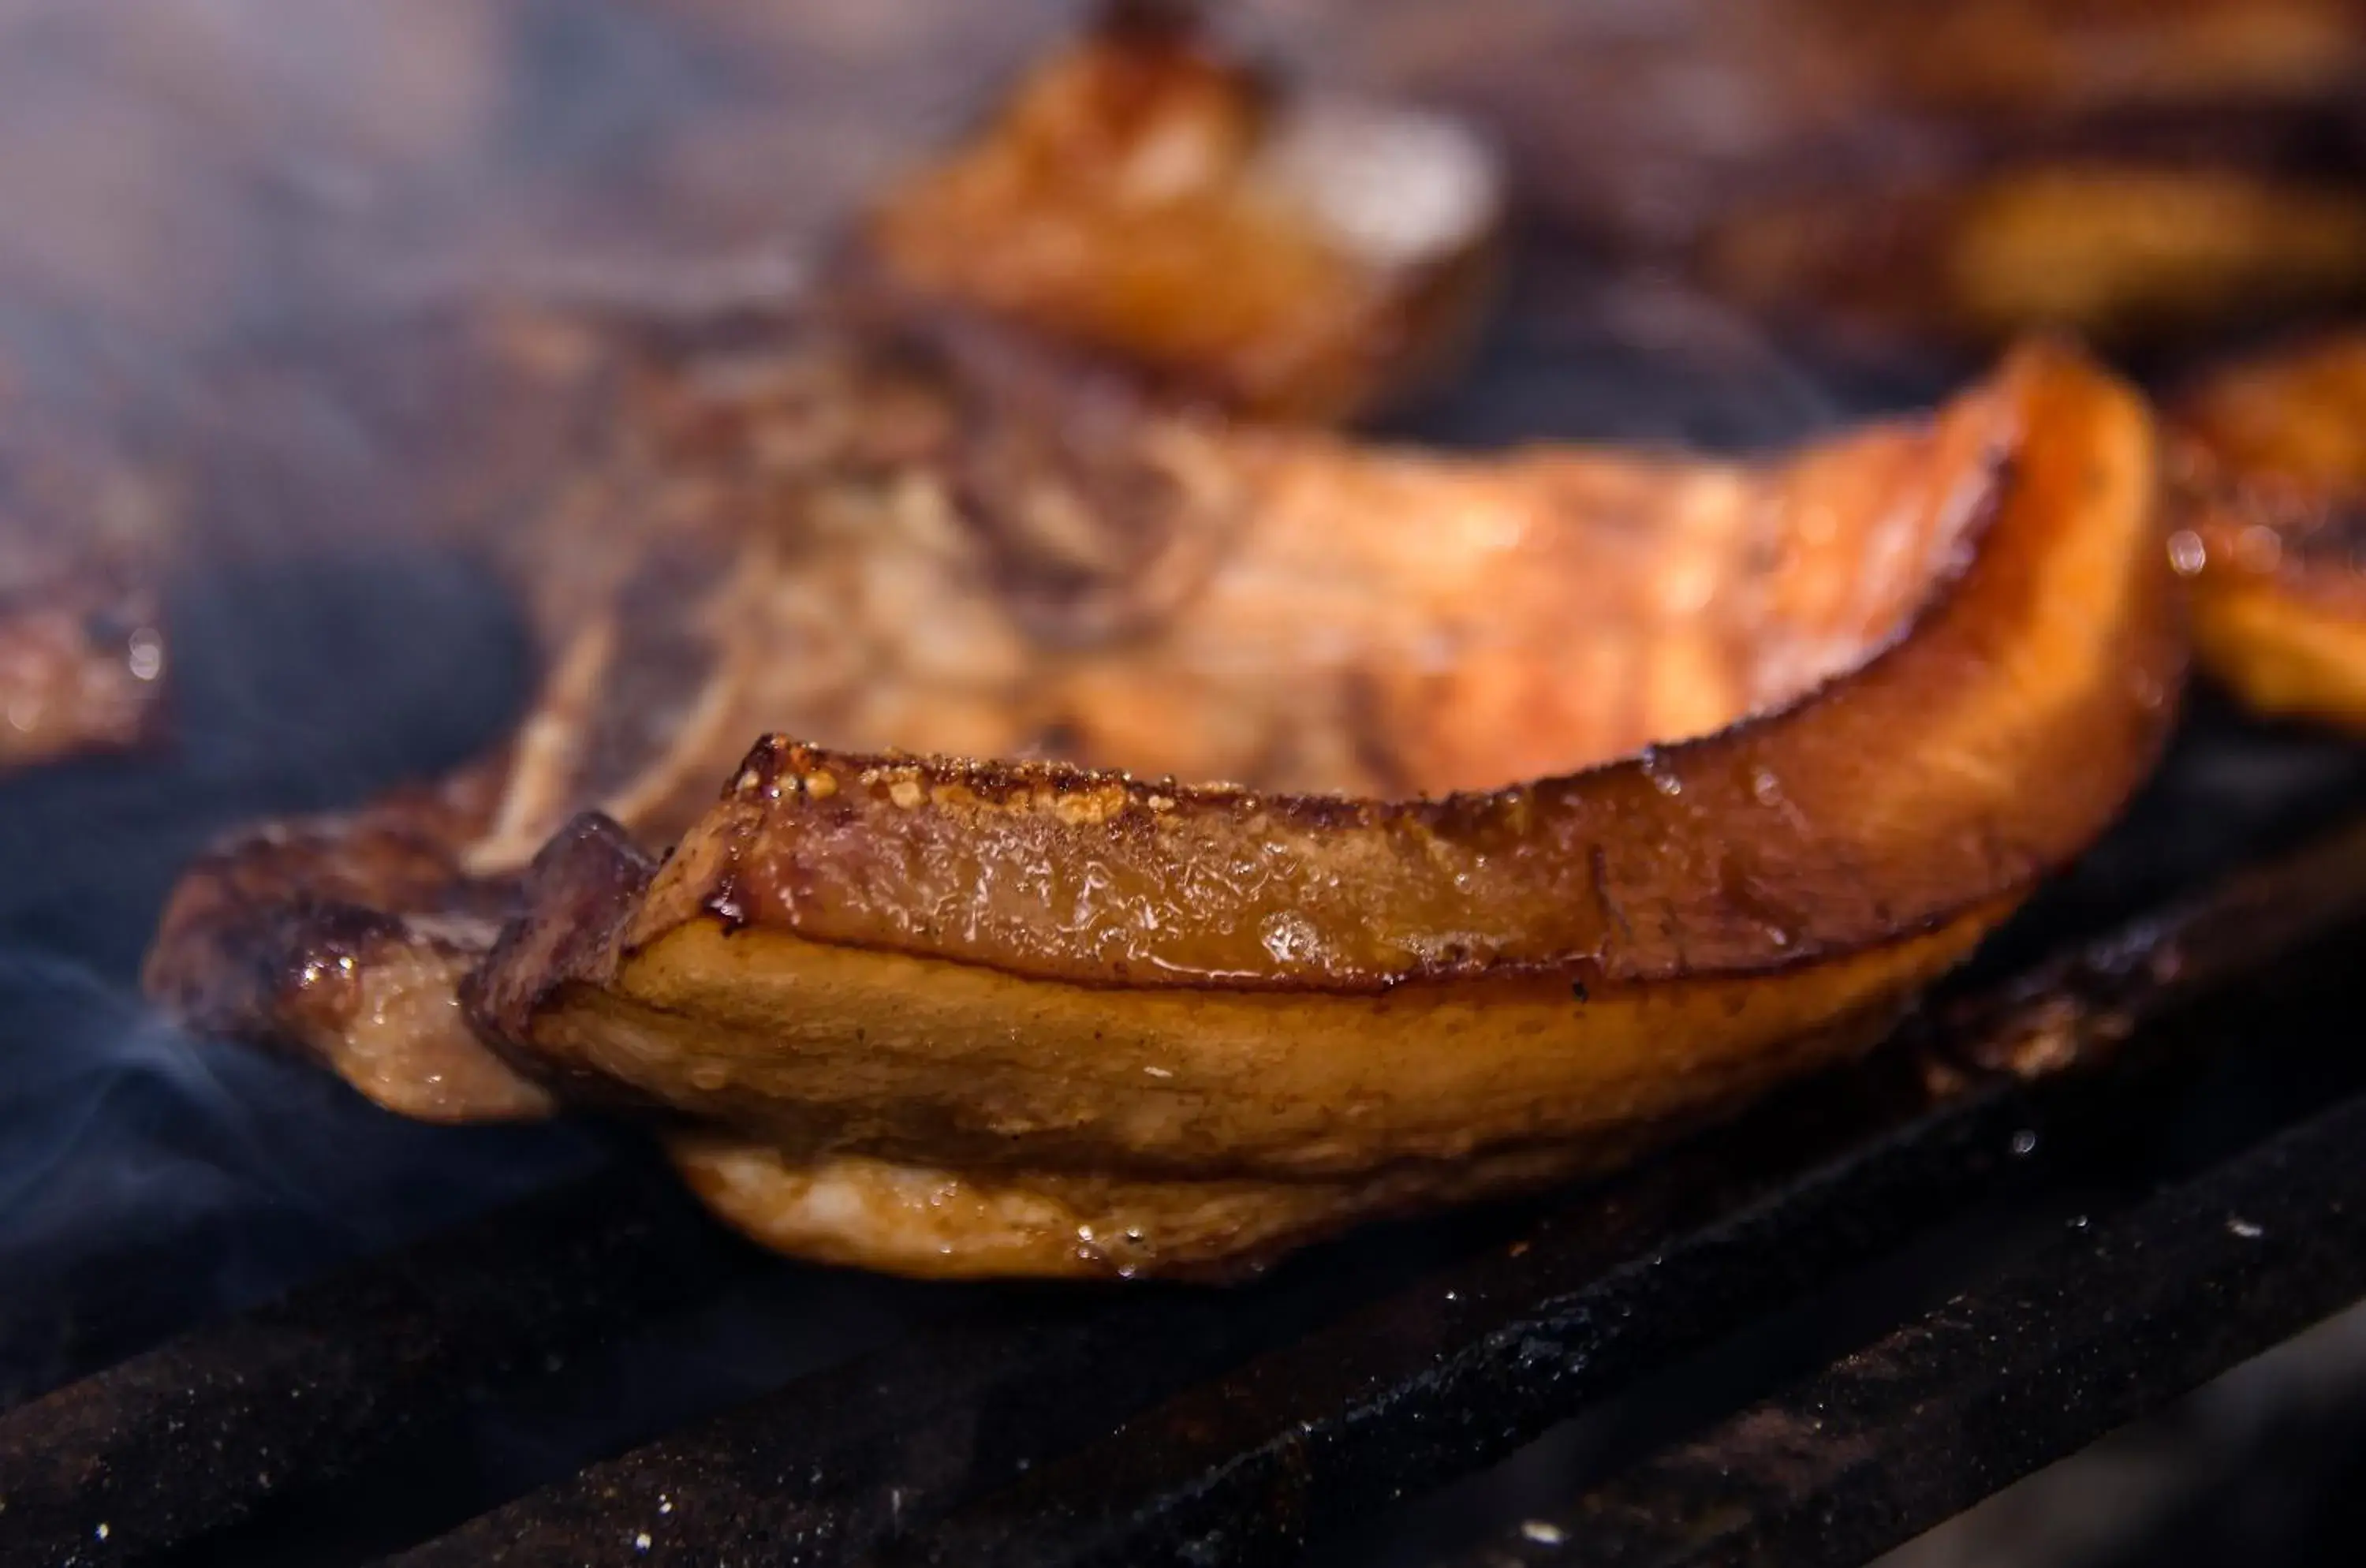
<point>228,1175</point>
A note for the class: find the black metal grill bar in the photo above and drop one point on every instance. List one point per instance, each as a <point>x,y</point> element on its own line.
<point>2117,1319</point>
<point>821,1471</point>
<point>1432,1380</point>
<point>200,1433</point>
<point>1455,1374</point>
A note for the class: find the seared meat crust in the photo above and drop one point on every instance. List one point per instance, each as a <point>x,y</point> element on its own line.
<point>2271,468</point>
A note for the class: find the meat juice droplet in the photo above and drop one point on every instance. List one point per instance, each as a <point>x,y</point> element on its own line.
<point>1655,765</point>
<point>2186,554</point>
<point>145,655</point>
<point>1289,937</point>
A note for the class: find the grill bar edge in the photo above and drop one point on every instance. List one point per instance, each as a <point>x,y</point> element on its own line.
<point>2116,1320</point>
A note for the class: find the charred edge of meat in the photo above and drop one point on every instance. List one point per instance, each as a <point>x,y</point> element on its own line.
<point>584,884</point>
<point>343,941</point>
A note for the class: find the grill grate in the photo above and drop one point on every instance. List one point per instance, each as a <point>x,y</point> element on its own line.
<point>1904,1433</point>
<point>199,1434</point>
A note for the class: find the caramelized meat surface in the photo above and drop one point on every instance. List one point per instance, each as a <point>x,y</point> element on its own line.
<point>2272,465</point>
<point>955,1018</point>
<point>978,549</point>
<point>925,576</point>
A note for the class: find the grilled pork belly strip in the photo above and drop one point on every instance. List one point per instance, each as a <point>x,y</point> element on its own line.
<point>1667,600</point>
<point>949,1017</point>
<point>2271,458</point>
<point>1076,993</point>
<point>1100,1219</point>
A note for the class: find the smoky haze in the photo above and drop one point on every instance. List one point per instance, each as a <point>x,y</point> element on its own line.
<point>190,187</point>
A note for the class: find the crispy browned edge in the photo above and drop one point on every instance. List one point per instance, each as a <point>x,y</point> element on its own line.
<point>2120,737</point>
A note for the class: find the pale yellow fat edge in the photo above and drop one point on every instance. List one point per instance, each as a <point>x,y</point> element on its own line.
<point>828,1049</point>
